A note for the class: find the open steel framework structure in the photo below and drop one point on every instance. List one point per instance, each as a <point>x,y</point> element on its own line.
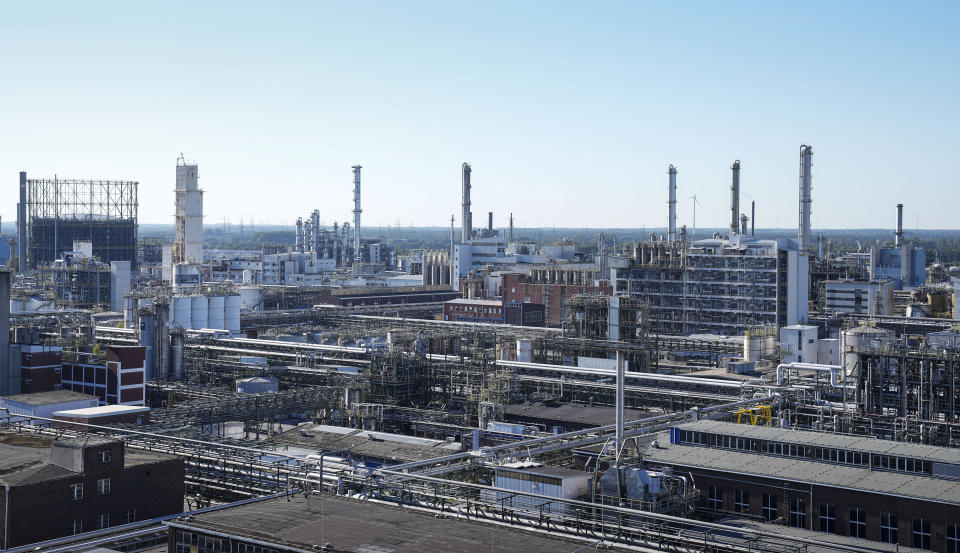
<point>60,211</point>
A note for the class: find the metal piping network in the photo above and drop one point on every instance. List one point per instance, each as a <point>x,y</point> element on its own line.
<point>837,375</point>
<point>735,199</point>
<point>806,161</point>
<point>672,205</point>
<point>356,219</point>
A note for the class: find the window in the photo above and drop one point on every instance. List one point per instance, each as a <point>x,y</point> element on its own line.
<point>715,498</point>
<point>741,501</point>
<point>103,521</point>
<point>103,486</point>
<point>769,509</point>
<point>798,512</point>
<point>953,538</point>
<point>921,533</point>
<point>130,515</point>
<point>828,518</point>
<point>76,527</point>
<point>889,532</point>
<point>103,457</point>
<point>858,523</point>
<point>76,491</point>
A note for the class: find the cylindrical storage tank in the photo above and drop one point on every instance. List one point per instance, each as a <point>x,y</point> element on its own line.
<point>257,385</point>
<point>436,274</point>
<point>177,359</point>
<point>525,350</point>
<point>231,317</point>
<point>752,347</point>
<point>215,311</point>
<point>247,276</point>
<point>198,312</point>
<point>251,298</point>
<point>148,339</point>
<point>427,273</point>
<point>861,338</point>
<point>180,312</point>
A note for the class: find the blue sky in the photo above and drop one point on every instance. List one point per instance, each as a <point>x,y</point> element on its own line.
<point>569,112</point>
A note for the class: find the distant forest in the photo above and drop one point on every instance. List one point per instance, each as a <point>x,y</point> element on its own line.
<point>942,245</point>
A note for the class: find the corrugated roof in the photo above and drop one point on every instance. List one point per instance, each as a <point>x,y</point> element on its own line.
<point>824,439</point>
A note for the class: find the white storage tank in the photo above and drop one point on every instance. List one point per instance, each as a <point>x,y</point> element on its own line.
<point>257,385</point>
<point>861,338</point>
<point>180,311</point>
<point>753,346</point>
<point>251,299</point>
<point>198,312</point>
<point>798,344</point>
<point>525,350</point>
<point>232,314</point>
<point>215,312</point>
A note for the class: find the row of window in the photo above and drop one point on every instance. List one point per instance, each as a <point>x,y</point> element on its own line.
<point>809,452</point>
<point>190,542</point>
<point>827,518</point>
<point>103,488</point>
<point>102,521</point>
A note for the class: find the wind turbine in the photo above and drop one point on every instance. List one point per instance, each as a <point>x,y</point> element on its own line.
<point>695,202</point>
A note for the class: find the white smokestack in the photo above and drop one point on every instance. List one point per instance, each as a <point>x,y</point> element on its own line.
<point>806,162</point>
<point>672,205</point>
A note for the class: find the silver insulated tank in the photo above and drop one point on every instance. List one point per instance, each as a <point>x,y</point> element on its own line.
<point>177,355</point>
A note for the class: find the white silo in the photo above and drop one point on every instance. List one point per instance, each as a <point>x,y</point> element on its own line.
<point>198,312</point>
<point>215,311</point>
<point>232,314</point>
<point>858,339</point>
<point>180,312</point>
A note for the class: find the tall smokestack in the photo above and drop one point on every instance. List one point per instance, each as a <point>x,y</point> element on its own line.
<point>356,218</point>
<point>753,216</point>
<point>806,162</point>
<point>511,229</point>
<point>735,199</point>
<point>466,218</point>
<point>672,205</point>
<point>490,221</point>
<point>899,235</point>
<point>22,224</point>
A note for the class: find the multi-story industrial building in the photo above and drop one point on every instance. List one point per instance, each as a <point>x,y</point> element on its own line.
<point>551,285</point>
<point>860,297</point>
<point>79,485</point>
<point>718,286</point>
<point>116,378</point>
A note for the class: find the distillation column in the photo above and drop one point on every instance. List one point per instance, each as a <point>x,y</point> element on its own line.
<point>672,205</point>
<point>806,161</point>
<point>189,215</point>
<point>466,218</point>
<point>356,219</point>
<point>735,199</point>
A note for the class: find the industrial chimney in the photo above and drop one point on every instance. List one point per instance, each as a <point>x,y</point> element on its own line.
<point>356,218</point>
<point>672,205</point>
<point>22,224</point>
<point>490,221</point>
<point>899,234</point>
<point>735,199</point>
<point>806,161</point>
<point>753,217</point>
<point>466,219</point>
<point>743,224</point>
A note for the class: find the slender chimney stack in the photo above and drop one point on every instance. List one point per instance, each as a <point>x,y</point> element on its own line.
<point>466,218</point>
<point>735,199</point>
<point>511,228</point>
<point>899,234</point>
<point>490,221</point>
<point>672,205</point>
<point>753,216</point>
<point>806,162</point>
<point>22,224</point>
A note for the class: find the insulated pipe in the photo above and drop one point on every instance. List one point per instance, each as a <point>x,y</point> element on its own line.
<point>672,204</point>
<point>735,199</point>
<point>835,371</point>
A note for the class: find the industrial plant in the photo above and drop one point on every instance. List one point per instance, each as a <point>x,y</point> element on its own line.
<point>730,390</point>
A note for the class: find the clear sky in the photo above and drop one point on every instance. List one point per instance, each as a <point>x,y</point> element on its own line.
<point>569,112</point>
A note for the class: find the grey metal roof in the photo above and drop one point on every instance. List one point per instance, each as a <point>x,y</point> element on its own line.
<point>48,398</point>
<point>364,444</point>
<point>808,472</point>
<point>353,525</point>
<point>824,439</point>
<point>574,413</point>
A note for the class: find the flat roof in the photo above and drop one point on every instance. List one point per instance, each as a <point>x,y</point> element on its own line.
<point>363,443</point>
<point>299,522</point>
<point>101,411</point>
<point>825,439</point>
<point>50,398</point>
<point>587,415</point>
<point>465,301</point>
<point>815,473</point>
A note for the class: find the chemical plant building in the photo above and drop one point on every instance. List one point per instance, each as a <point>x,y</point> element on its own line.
<point>893,492</point>
<point>72,486</point>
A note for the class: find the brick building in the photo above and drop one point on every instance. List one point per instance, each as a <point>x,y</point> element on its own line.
<point>473,311</point>
<point>39,368</point>
<point>55,489</point>
<point>551,288</point>
<point>116,378</point>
